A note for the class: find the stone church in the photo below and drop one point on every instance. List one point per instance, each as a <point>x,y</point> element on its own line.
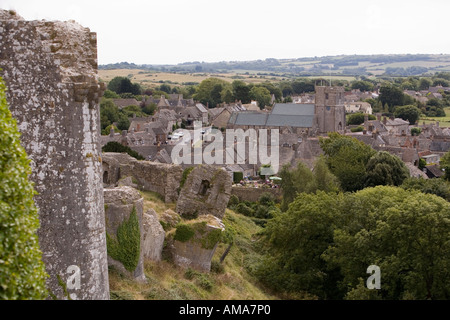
<point>327,114</point>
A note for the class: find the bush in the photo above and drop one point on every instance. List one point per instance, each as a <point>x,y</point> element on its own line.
<point>357,129</point>
<point>237,177</point>
<point>234,201</point>
<point>244,209</point>
<point>358,118</point>
<point>183,233</point>
<point>114,146</point>
<point>22,272</point>
<point>125,246</point>
<point>415,131</point>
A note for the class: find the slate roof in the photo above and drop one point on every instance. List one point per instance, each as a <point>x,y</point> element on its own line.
<point>251,119</point>
<point>301,121</point>
<point>293,109</point>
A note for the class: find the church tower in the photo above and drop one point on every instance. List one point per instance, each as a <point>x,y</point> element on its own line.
<point>330,109</point>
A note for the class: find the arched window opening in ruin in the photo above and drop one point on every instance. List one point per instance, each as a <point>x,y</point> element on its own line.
<point>105,177</point>
<point>203,187</point>
<point>340,126</point>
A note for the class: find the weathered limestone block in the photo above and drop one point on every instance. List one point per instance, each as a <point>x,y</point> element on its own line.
<point>170,218</point>
<point>44,65</point>
<point>124,230</point>
<point>206,190</point>
<point>194,243</point>
<point>153,236</point>
<point>163,179</point>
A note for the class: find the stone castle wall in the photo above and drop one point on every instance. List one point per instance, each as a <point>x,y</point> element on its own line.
<point>161,178</point>
<point>253,194</point>
<point>50,69</point>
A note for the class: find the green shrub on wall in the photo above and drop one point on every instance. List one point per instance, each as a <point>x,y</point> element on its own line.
<point>22,272</point>
<point>126,246</point>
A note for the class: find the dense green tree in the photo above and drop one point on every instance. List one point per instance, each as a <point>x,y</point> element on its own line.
<point>273,90</point>
<point>358,118</point>
<point>261,95</point>
<point>22,272</point>
<point>424,83</point>
<point>324,243</point>
<point>391,95</point>
<point>405,233</point>
<point>109,113</point>
<point>362,85</point>
<point>384,168</point>
<point>439,187</point>
<point>166,88</point>
<point>124,85</point>
<point>303,180</point>
<point>205,89</point>
<point>441,82</point>
<point>445,164</point>
<point>408,113</point>
<point>241,91</point>
<point>302,86</point>
<point>347,158</point>
<point>108,94</point>
<point>114,146</point>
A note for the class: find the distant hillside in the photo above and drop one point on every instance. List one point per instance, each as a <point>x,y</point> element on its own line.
<point>344,65</point>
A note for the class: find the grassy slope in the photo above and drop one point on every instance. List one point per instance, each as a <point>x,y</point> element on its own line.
<point>169,282</point>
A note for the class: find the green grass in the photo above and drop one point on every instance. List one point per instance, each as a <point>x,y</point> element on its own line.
<point>443,121</point>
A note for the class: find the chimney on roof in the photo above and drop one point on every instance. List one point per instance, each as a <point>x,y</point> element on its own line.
<point>379,116</point>
<point>111,132</point>
<point>384,120</point>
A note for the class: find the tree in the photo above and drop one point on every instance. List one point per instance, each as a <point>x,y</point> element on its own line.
<point>408,113</point>
<point>22,272</point>
<point>114,146</point>
<point>362,85</point>
<point>405,233</point>
<point>346,158</point>
<point>385,169</point>
<point>424,83</point>
<point>295,242</point>
<point>445,164</point>
<point>439,186</point>
<point>123,85</point>
<point>209,87</point>
<point>391,95</point>
<point>241,91</point>
<point>302,86</point>
<point>303,180</point>
<point>324,243</point>
<point>294,182</point>
<point>358,118</point>
<point>261,95</point>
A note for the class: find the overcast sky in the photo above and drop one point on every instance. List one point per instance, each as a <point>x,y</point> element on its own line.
<point>176,31</point>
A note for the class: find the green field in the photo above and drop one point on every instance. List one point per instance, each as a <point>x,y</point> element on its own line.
<point>443,121</point>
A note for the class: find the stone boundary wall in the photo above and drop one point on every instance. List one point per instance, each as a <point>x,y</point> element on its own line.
<point>253,194</point>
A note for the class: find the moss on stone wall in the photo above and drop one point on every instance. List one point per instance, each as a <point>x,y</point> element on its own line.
<point>126,246</point>
<point>184,233</point>
<point>186,173</point>
<point>198,233</point>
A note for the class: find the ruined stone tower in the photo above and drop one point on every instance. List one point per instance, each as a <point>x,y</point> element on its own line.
<point>50,69</point>
<point>330,109</point>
